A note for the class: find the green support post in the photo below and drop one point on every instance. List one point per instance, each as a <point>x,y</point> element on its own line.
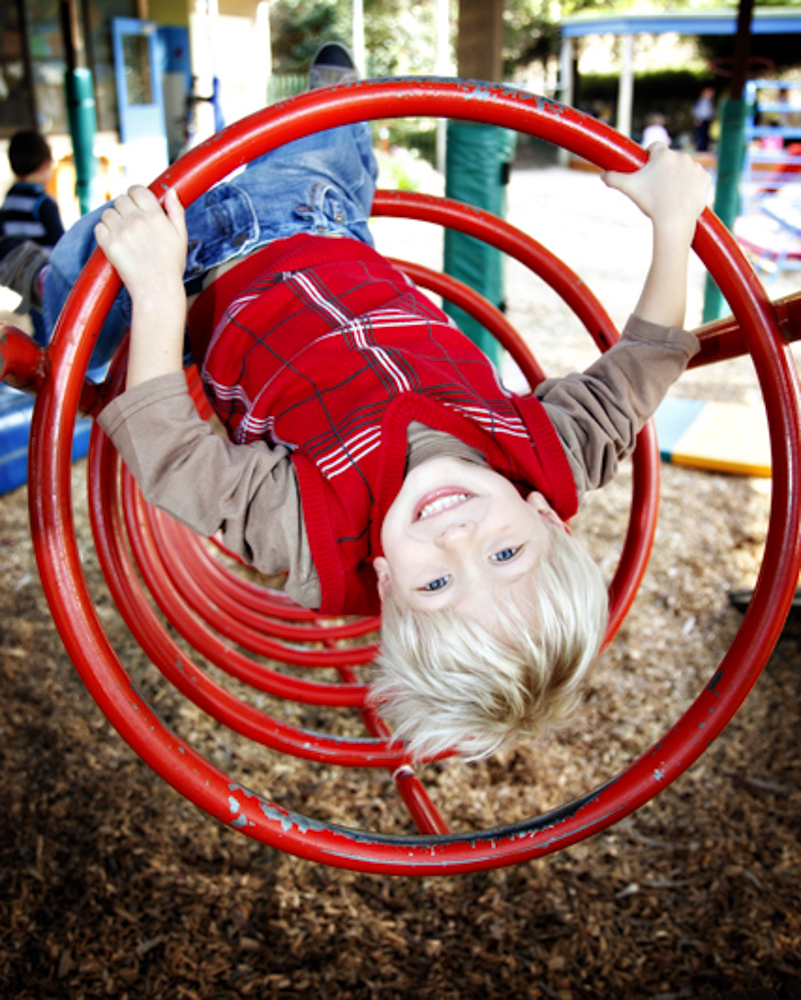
<point>731,153</point>
<point>477,171</point>
<point>83,128</point>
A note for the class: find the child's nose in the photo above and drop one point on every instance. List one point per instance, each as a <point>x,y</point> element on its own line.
<point>456,532</point>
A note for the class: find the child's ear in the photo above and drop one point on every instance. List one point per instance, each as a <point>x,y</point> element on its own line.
<point>541,505</point>
<point>381,567</point>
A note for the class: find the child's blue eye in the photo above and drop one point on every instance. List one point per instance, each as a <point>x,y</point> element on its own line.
<point>505,554</point>
<point>437,584</point>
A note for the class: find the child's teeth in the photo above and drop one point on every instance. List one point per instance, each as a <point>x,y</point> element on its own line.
<point>441,503</point>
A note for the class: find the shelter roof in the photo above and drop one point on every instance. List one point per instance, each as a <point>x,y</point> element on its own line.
<point>765,21</point>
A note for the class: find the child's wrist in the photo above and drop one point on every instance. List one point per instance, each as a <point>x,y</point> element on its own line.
<point>674,237</point>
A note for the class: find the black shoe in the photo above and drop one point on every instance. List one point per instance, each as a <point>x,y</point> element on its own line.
<point>333,63</point>
<point>19,271</point>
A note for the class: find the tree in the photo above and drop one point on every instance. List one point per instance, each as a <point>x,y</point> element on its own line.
<point>298,27</point>
<point>532,28</point>
<point>399,34</point>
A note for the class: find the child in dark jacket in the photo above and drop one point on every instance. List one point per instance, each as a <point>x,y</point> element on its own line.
<point>28,212</point>
<point>30,222</point>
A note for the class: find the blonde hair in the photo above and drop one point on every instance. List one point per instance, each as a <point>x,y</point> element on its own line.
<point>444,682</point>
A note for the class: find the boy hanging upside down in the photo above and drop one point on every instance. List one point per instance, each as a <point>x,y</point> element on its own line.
<point>373,454</point>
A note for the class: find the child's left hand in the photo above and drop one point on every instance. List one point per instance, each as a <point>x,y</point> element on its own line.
<point>671,188</point>
<point>145,243</point>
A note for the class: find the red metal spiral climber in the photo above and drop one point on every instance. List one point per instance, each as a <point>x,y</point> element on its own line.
<point>233,623</point>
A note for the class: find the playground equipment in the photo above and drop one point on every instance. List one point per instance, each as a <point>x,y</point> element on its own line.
<point>773,139</point>
<point>770,217</point>
<point>205,601</point>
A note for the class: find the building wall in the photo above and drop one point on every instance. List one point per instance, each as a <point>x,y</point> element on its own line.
<point>234,46</point>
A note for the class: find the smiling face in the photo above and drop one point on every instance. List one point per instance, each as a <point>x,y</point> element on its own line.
<point>460,536</point>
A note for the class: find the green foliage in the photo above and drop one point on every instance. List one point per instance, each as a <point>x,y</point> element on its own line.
<point>400,38</point>
<point>529,33</point>
<point>402,169</point>
<point>419,134</point>
<point>531,29</point>
<point>400,35</point>
<point>299,27</point>
<point>782,51</point>
<point>284,85</point>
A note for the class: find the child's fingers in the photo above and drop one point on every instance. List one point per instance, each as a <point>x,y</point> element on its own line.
<point>613,178</point>
<point>138,198</point>
<point>109,223</point>
<point>122,207</point>
<point>670,183</point>
<point>175,211</point>
<point>621,180</point>
<point>138,202</point>
<point>101,234</point>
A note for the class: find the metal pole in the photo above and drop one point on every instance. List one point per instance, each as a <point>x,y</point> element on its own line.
<point>731,150</point>
<point>358,36</point>
<point>80,107</point>
<point>566,71</point>
<point>625,98</point>
<point>444,67</point>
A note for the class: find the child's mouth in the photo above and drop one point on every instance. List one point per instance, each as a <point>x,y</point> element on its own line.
<point>438,501</point>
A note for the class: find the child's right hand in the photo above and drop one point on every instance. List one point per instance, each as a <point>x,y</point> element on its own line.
<point>671,188</point>
<point>145,243</point>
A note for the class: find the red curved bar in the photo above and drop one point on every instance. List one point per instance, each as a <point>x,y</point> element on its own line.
<point>207,786</point>
<point>180,669</point>
<point>425,814</point>
<point>151,565</point>
<point>196,575</point>
<point>237,627</point>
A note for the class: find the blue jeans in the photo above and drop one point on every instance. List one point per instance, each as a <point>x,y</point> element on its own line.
<point>323,183</point>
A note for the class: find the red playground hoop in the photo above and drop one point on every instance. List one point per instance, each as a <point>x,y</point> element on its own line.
<point>266,623</point>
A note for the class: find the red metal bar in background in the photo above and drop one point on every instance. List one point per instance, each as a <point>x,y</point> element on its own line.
<point>425,814</point>
<point>25,366</point>
<point>23,363</point>
<point>723,339</point>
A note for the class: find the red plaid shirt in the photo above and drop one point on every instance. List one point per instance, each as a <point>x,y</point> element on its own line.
<point>322,345</point>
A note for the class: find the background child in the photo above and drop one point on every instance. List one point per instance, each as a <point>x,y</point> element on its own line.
<point>30,220</point>
<point>703,112</point>
<point>28,212</point>
<point>655,130</point>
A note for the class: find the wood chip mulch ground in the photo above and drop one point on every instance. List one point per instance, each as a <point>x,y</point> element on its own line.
<point>112,885</point>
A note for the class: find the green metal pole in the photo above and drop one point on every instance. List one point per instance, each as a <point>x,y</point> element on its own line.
<point>731,148</point>
<point>731,152</point>
<point>80,106</point>
<point>477,167</point>
<point>83,128</point>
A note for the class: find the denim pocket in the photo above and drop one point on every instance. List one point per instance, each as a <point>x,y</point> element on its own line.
<point>222,224</point>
